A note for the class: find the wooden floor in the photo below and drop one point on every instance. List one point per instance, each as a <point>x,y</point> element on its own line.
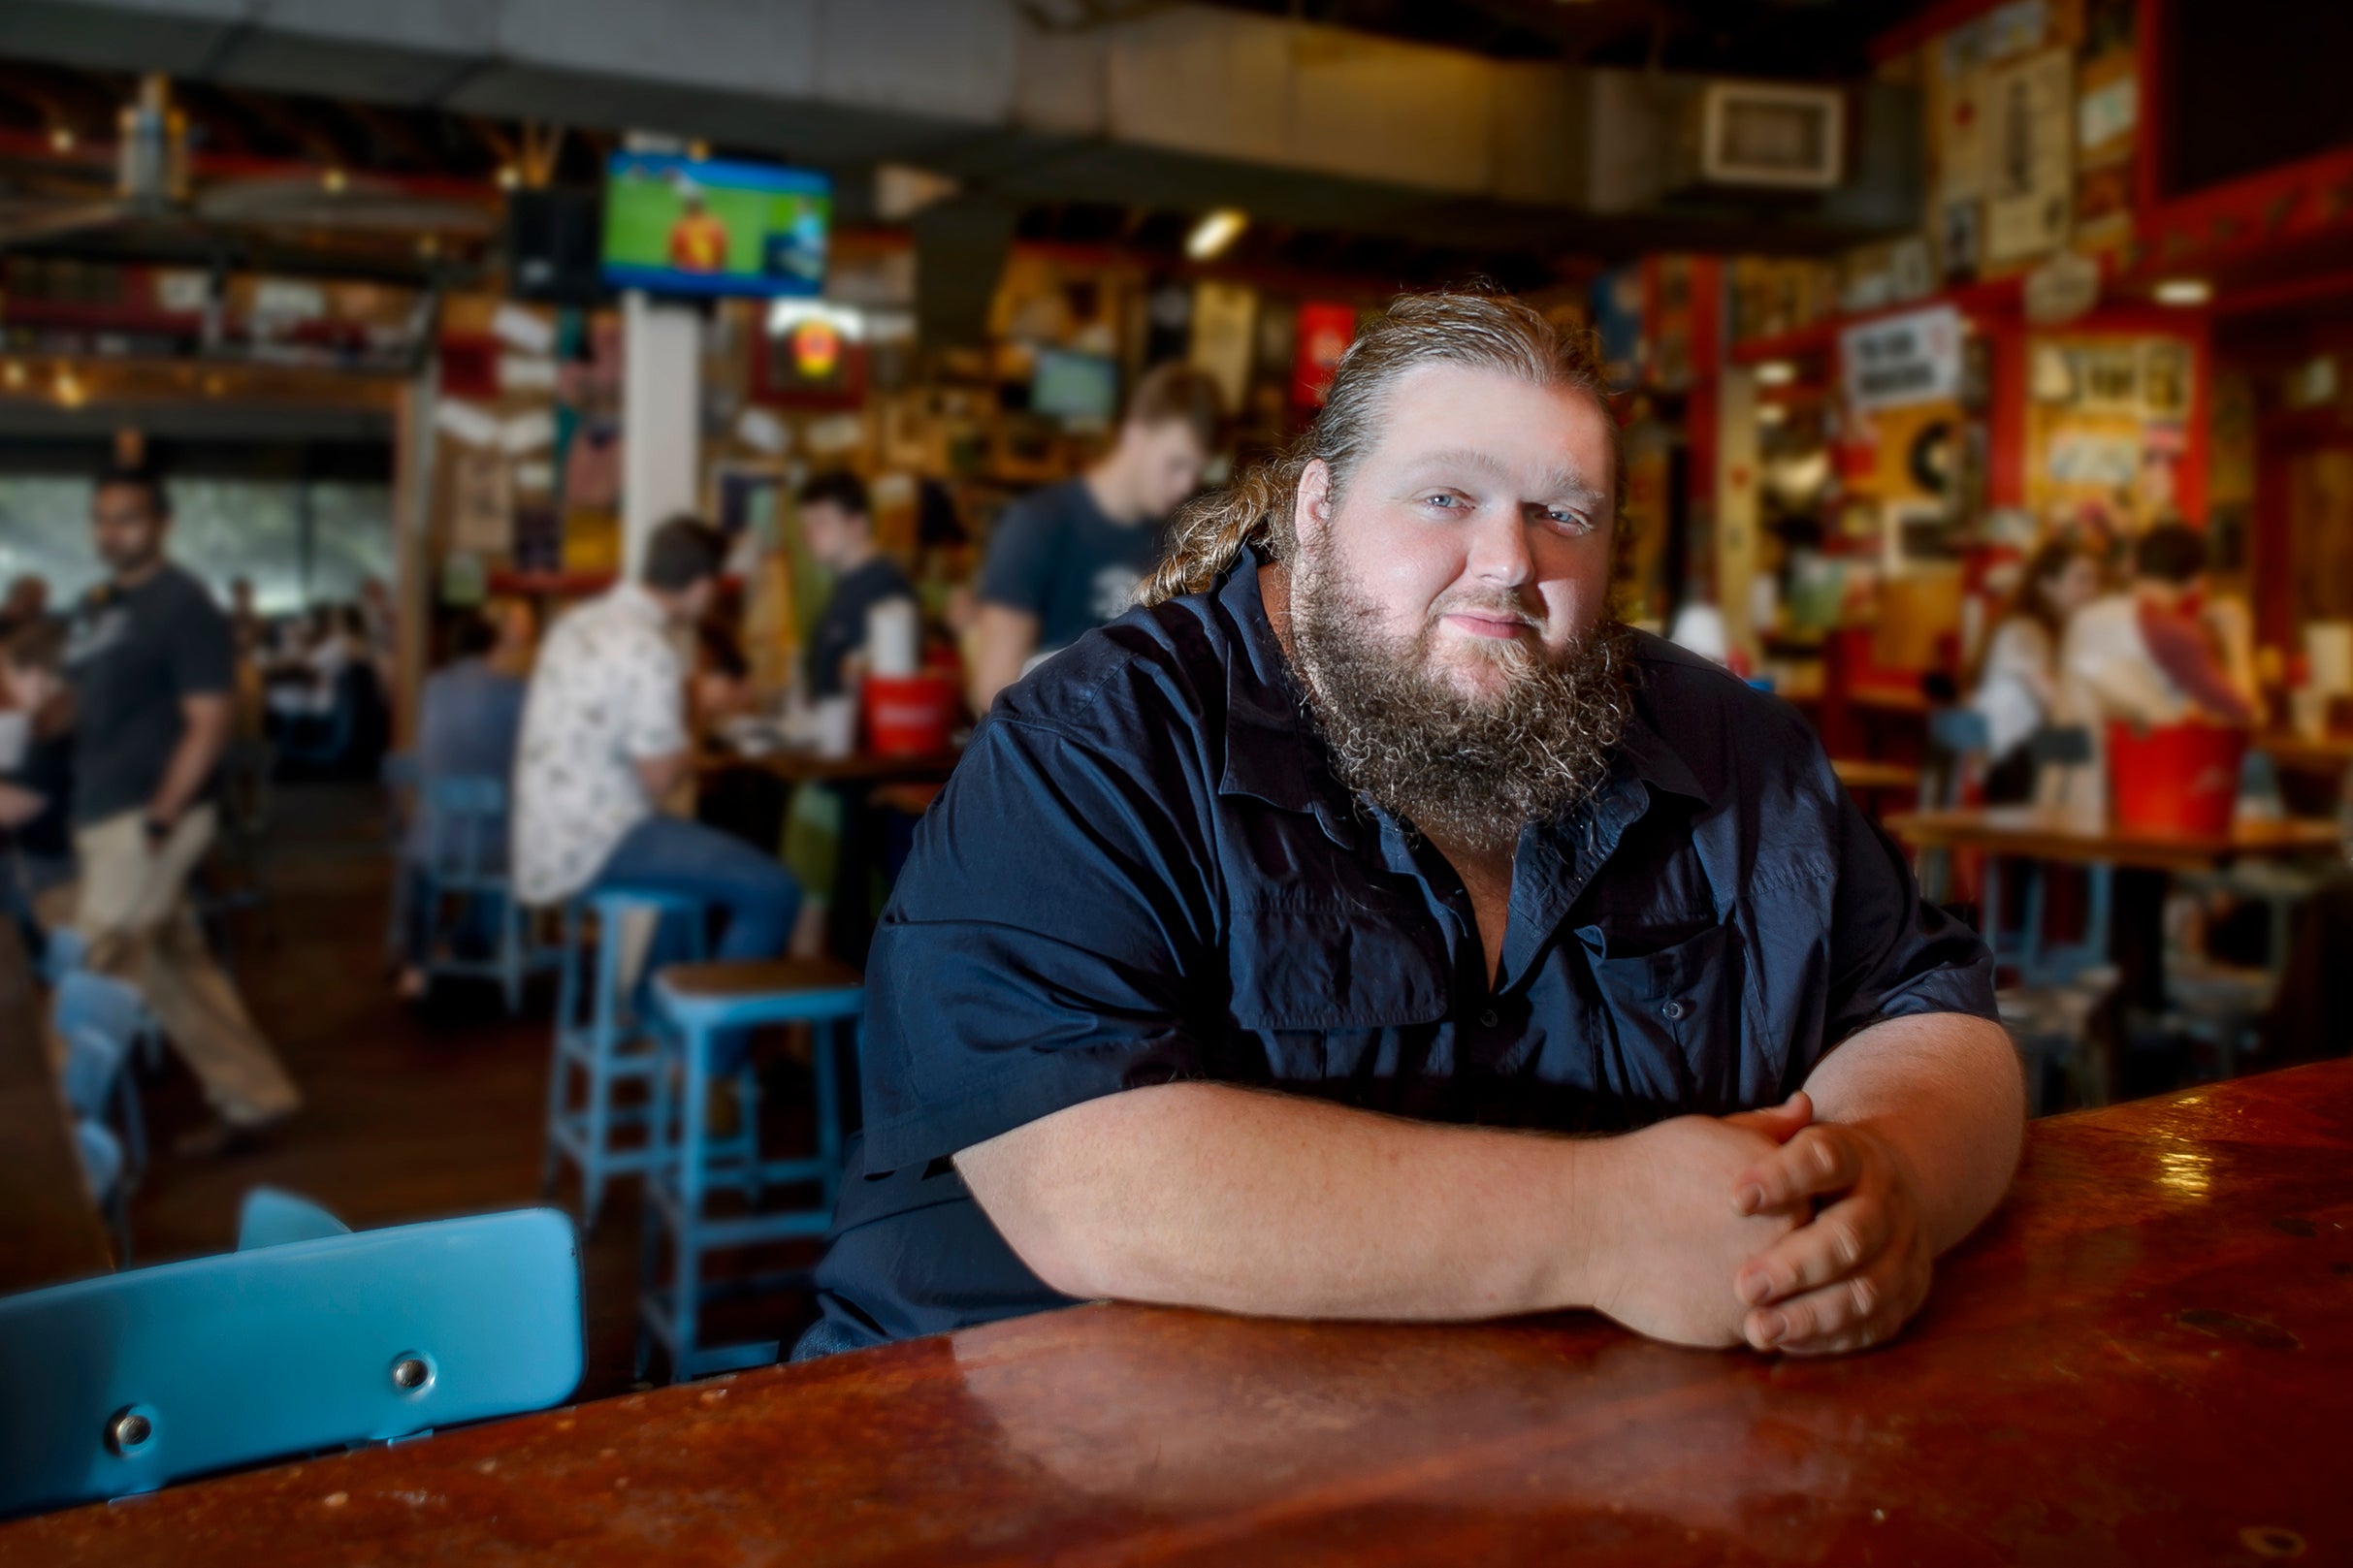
<point>410,1113</point>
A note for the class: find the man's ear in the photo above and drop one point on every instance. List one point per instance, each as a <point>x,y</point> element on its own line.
<point>1312,508</point>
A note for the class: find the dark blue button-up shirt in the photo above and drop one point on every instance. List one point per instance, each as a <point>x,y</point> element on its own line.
<point>1145,871</point>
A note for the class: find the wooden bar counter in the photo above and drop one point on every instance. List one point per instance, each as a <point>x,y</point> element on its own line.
<point>2145,1357</point>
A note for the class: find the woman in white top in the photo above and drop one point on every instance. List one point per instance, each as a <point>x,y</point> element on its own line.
<point>2018,677</point>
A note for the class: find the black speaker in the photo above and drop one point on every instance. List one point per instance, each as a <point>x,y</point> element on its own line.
<point>555,242</point>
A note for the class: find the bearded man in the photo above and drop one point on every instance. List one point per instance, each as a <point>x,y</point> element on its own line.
<point>1370,926</point>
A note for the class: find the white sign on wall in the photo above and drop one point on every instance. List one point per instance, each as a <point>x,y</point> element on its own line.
<point>1911,357</point>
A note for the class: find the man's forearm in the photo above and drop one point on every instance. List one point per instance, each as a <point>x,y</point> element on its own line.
<point>1213,1196</point>
<point>1943,1091</point>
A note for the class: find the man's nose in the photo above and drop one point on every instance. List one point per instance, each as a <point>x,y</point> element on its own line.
<point>1499,547</point>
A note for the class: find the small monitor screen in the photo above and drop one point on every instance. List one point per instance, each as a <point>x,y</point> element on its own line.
<point>1076,387</point>
<point>676,225</point>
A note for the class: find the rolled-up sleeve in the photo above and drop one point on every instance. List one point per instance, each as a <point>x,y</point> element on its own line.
<point>1891,954</point>
<point>1036,950</point>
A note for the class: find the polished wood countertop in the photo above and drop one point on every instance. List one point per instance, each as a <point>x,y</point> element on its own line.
<point>2145,1357</point>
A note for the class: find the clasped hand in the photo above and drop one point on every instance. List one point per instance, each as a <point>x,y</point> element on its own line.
<point>1769,1228</point>
<point>1858,1265</point>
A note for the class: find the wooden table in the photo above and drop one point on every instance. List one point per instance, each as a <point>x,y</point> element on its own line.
<point>1864,773</point>
<point>2297,753</point>
<point>2055,833</point>
<point>2145,1357</point>
<point>48,1230</point>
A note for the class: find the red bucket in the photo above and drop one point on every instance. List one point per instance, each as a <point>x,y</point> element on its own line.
<point>2175,777</point>
<point>910,715</point>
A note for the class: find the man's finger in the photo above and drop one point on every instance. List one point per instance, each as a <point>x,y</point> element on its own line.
<point>1814,1162</point>
<point>1838,1241</point>
<point>1780,1123</point>
<point>1853,1306</point>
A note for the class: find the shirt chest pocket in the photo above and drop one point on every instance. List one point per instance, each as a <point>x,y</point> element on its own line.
<point>1667,1032</point>
<point>1324,991</point>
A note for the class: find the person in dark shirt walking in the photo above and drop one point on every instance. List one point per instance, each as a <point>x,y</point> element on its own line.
<point>149,660</point>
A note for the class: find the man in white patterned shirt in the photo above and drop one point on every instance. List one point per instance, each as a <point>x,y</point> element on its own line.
<point>604,739</point>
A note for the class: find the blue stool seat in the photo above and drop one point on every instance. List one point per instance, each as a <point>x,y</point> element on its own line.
<point>605,1040</point>
<point>701,1001</point>
<point>307,1338</point>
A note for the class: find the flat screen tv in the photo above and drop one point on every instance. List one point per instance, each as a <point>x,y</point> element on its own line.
<point>710,226</point>
<point>1078,388</point>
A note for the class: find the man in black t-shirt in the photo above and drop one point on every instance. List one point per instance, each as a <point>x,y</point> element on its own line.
<point>150,662</point>
<point>1067,558</point>
<point>837,525</point>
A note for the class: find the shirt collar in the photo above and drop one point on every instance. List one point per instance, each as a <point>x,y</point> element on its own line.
<point>1272,751</point>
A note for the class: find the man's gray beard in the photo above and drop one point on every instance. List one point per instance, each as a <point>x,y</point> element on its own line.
<point>1460,770</point>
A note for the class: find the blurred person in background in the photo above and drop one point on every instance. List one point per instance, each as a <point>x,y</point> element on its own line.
<point>2018,679</point>
<point>376,624</point>
<point>2153,653</point>
<point>1067,559</point>
<point>837,525</point>
<point>36,774</point>
<point>606,742</point>
<point>149,662</point>
<point>468,719</point>
<point>27,601</point>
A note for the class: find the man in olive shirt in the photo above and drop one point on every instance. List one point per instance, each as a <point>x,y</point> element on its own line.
<point>150,661</point>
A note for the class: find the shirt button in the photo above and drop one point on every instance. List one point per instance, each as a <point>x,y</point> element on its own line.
<point>1671,1011</point>
<point>1488,1019</point>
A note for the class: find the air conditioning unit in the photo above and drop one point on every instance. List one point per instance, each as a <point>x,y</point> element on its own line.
<point>1770,136</point>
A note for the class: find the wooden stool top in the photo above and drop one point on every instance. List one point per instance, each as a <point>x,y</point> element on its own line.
<point>756,977</point>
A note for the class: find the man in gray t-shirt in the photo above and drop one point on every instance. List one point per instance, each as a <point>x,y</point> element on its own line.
<point>1067,558</point>
<point>150,664</point>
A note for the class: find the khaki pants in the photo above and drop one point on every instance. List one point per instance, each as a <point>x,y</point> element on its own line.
<point>133,910</point>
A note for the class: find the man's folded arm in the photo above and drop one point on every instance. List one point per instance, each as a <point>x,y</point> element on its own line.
<point>1209,1194</point>
<point>1245,1201</point>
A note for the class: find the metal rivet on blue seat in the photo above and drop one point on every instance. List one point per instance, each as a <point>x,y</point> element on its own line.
<point>128,1431</point>
<point>410,1373</point>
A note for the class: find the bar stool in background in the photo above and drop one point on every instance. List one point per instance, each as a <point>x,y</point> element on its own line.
<point>703,1002</point>
<point>602,1036</point>
<point>466,861</point>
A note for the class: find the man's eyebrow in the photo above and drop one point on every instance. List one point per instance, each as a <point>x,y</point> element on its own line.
<point>1560,484</point>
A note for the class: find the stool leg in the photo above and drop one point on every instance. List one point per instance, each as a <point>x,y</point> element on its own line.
<point>687,1243</point>
<point>658,1164</point>
<point>559,1076</point>
<point>510,952</point>
<point>824,1042</point>
<point>604,1043</point>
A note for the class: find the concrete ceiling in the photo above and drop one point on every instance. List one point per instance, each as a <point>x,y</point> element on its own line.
<point>1163,105</point>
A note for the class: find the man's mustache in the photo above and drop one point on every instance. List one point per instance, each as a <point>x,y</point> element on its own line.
<point>1485,608</point>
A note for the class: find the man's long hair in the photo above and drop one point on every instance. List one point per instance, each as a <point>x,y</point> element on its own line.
<point>1485,331</point>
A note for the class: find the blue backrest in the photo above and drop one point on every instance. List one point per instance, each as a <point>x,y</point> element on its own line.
<point>464,827</point>
<point>85,1001</point>
<point>308,1337</point>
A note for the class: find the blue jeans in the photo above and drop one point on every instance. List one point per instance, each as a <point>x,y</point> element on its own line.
<point>670,854</point>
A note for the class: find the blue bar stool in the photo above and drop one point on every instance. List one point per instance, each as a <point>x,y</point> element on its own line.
<point>600,1037</point>
<point>702,1002</point>
<point>465,859</point>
